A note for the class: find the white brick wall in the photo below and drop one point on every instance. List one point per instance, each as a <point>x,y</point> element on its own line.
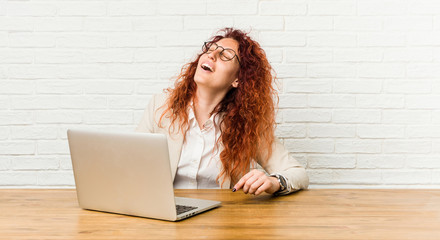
<point>360,80</point>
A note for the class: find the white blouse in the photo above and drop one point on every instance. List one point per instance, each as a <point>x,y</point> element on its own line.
<point>199,163</point>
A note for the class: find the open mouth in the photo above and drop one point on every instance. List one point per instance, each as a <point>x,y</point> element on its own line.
<point>207,67</point>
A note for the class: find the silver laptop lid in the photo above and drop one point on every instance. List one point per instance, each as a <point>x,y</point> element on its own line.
<point>127,173</point>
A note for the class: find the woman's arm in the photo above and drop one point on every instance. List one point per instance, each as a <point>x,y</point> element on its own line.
<point>281,163</point>
<point>256,182</point>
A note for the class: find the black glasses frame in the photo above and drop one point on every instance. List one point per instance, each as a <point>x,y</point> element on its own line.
<point>207,45</point>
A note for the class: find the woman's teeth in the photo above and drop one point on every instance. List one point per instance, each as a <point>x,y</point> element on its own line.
<point>206,67</point>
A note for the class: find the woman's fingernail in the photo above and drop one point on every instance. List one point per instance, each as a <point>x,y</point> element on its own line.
<point>233,190</point>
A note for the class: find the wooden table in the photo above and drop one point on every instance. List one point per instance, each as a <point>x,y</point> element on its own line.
<point>311,214</point>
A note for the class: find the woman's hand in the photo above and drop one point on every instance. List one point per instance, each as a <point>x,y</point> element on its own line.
<point>255,182</point>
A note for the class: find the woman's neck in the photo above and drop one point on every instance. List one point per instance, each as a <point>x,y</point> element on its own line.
<point>204,104</point>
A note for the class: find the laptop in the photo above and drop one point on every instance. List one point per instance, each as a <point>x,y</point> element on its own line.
<point>128,173</point>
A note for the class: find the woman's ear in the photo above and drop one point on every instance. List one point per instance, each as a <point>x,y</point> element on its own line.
<point>235,83</point>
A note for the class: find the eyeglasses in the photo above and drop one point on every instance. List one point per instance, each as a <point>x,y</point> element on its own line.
<point>226,54</point>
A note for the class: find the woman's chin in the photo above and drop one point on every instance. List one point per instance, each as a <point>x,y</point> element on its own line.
<point>200,80</point>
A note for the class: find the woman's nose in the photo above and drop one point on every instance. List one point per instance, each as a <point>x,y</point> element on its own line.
<point>214,54</point>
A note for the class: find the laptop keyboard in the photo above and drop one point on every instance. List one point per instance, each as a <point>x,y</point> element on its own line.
<point>182,208</point>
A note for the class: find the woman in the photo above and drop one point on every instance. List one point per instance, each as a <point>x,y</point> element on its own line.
<point>220,119</point>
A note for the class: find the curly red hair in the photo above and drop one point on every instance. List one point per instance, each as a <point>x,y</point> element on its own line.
<point>247,126</point>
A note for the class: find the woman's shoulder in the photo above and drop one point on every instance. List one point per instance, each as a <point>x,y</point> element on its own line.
<point>158,99</point>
